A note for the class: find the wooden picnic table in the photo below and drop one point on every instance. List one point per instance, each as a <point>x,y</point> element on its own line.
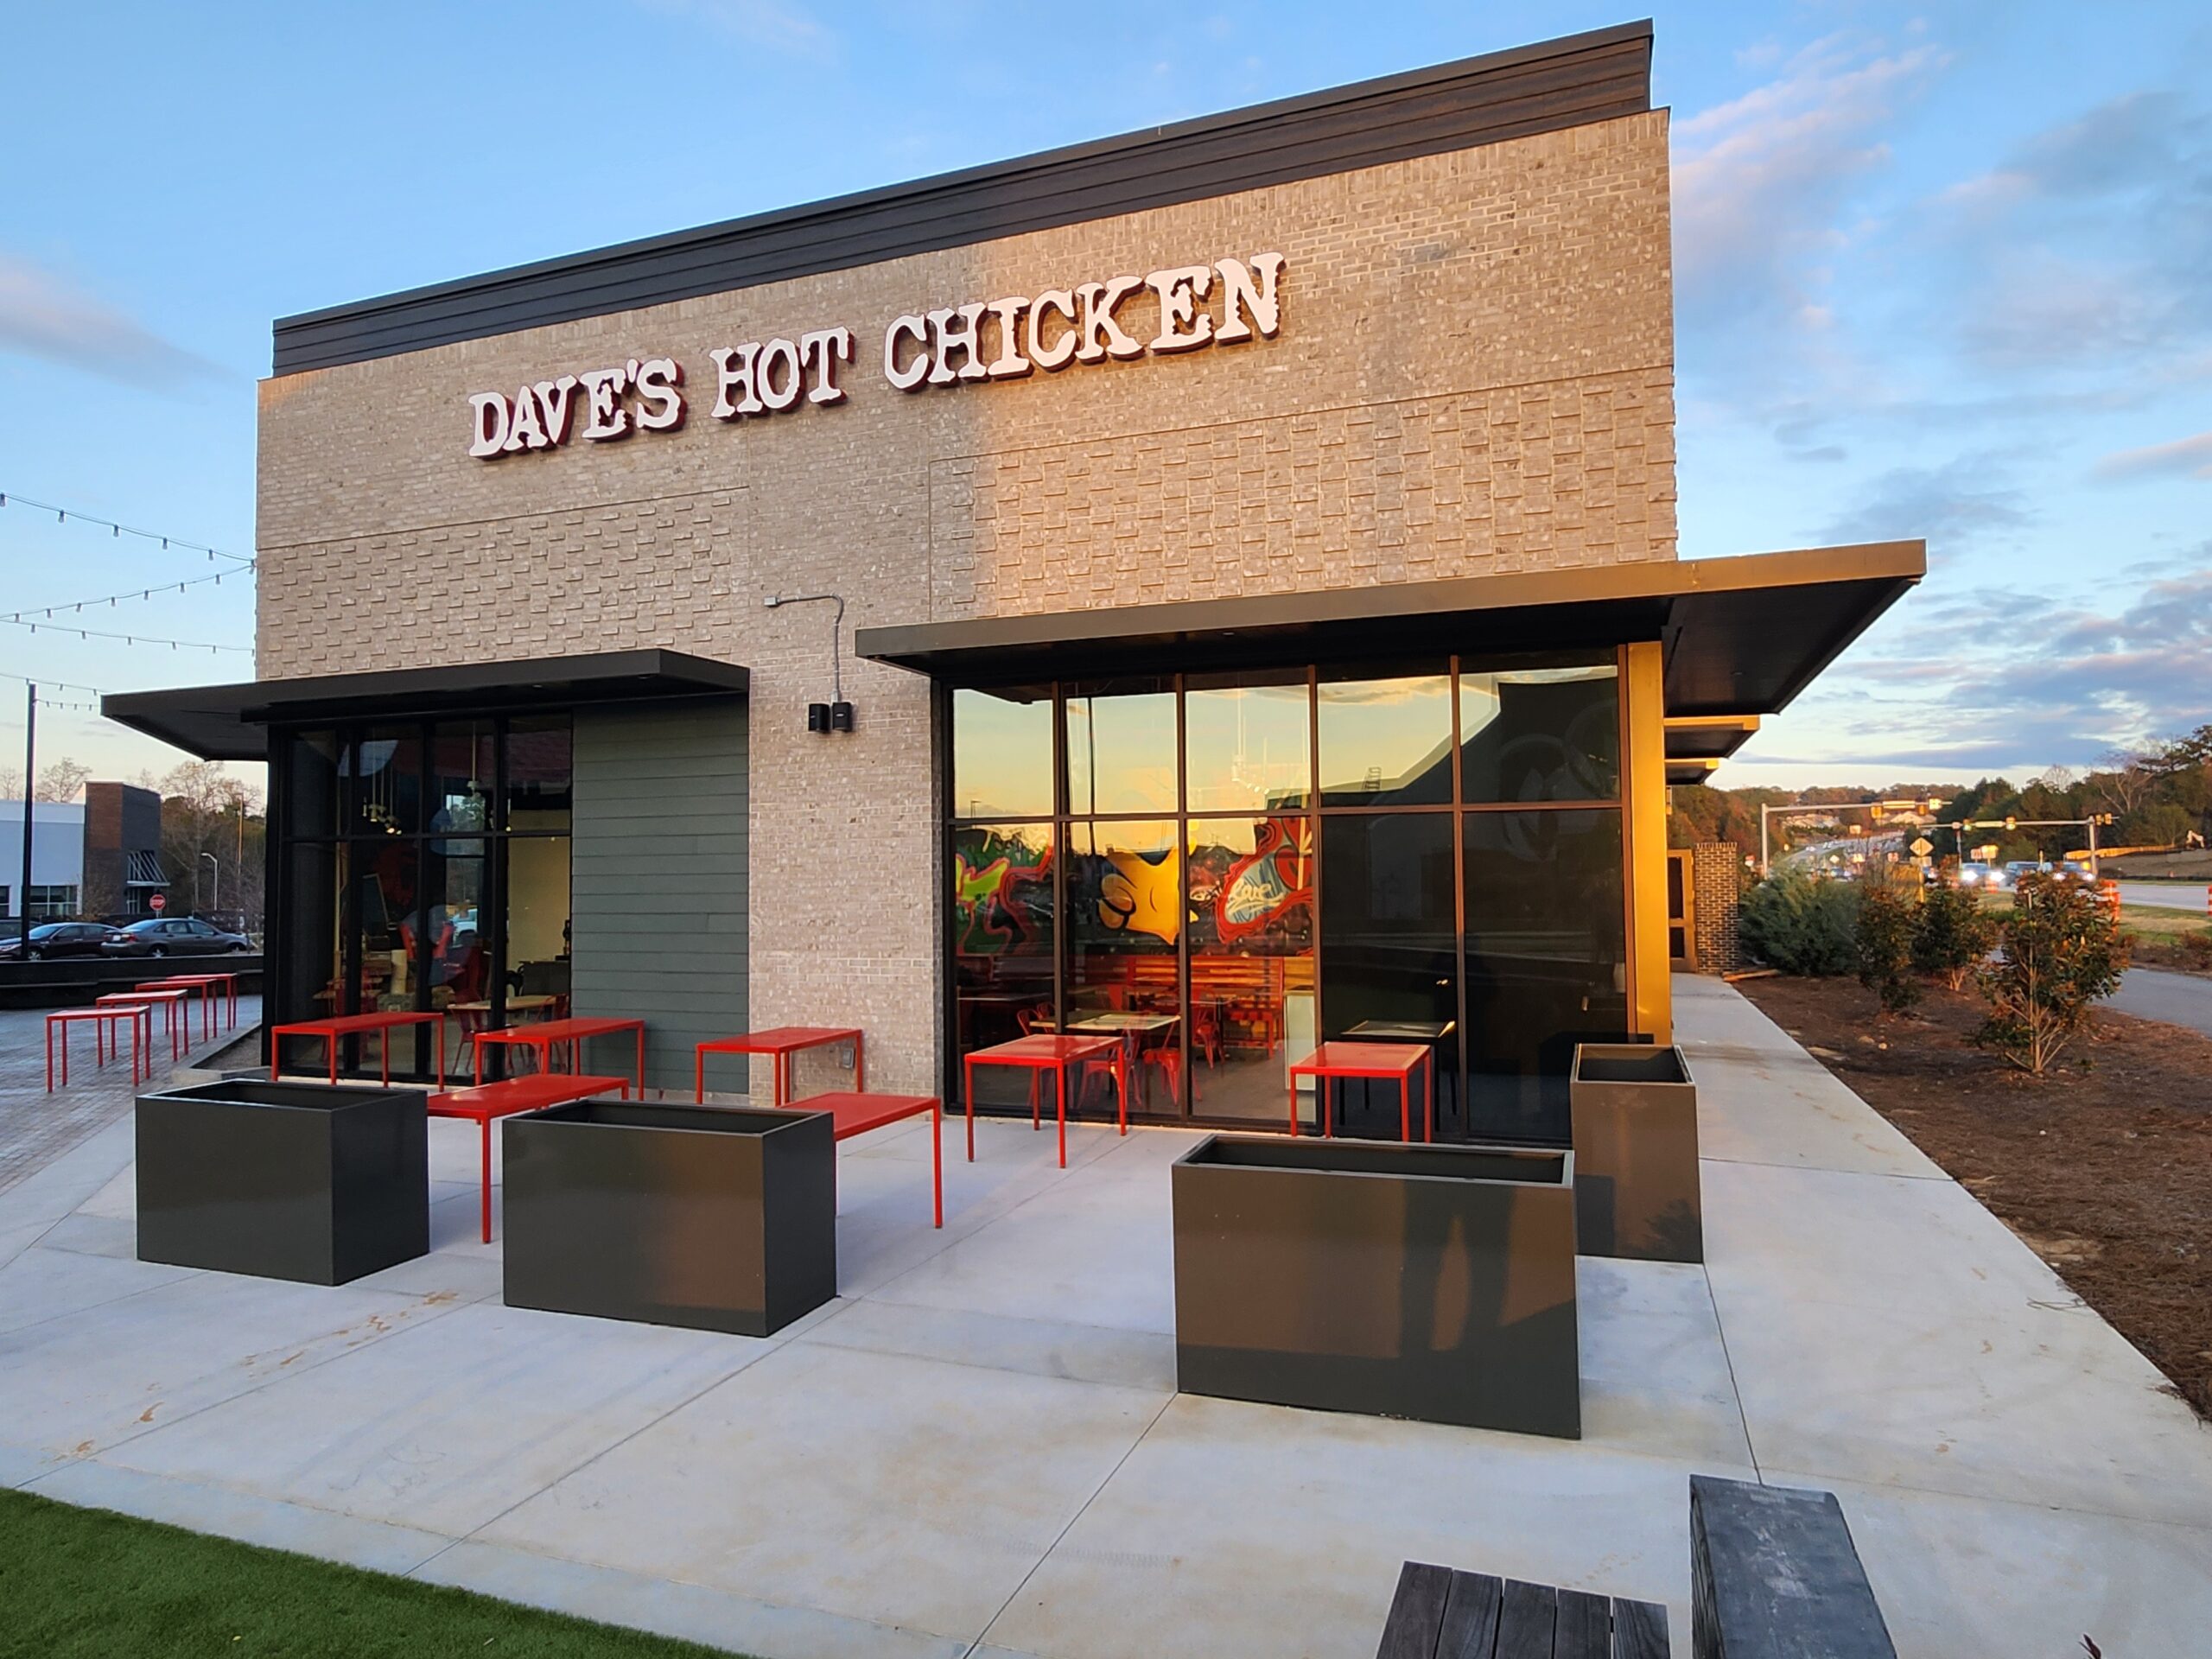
<point>1039,1052</point>
<point>543,1034</point>
<point>353,1025</point>
<point>486,1101</point>
<point>780,1042</point>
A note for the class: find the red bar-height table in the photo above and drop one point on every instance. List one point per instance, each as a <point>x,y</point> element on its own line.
<point>543,1034</point>
<point>1333,1062</point>
<point>353,1024</point>
<point>176,1015</point>
<point>486,1101</point>
<point>208,985</point>
<point>103,1035</point>
<point>780,1043</point>
<point>1041,1053</point>
<point>856,1114</point>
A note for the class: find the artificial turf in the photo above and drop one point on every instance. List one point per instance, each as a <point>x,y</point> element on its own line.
<point>85,1582</point>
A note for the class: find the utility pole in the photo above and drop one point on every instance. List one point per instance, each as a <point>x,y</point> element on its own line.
<point>215,901</point>
<point>30,805</point>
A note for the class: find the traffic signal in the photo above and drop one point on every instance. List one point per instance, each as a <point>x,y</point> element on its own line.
<point>2011,823</point>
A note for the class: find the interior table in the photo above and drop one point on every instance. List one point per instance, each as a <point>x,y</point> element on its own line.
<point>856,1114</point>
<point>780,1043</point>
<point>176,1015</point>
<point>486,1101</point>
<point>1130,1028</point>
<point>353,1025</point>
<point>105,1036</point>
<point>543,1034</point>
<point>1336,1061</point>
<point>207,985</point>
<point>1041,1052</point>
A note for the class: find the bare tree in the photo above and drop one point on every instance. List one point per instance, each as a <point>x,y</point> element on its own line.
<point>64,780</point>
<point>2125,779</point>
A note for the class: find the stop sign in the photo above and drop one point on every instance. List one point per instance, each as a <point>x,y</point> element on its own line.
<point>158,903</point>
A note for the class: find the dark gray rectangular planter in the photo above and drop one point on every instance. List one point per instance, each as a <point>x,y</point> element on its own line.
<point>1435,1282</point>
<point>283,1180</point>
<point>707,1217</point>
<point>1636,1179</point>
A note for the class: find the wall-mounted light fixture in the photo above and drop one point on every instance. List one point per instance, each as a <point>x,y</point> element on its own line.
<point>835,716</point>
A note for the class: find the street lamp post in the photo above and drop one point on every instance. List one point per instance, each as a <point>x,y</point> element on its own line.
<point>216,887</point>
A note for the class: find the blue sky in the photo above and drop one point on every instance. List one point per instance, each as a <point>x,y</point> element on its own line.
<point>1942,270</point>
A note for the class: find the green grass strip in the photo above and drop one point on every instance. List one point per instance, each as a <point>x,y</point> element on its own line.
<point>93,1584</point>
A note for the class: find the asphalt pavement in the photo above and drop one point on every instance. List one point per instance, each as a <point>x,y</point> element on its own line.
<point>2154,993</point>
<point>2166,895</point>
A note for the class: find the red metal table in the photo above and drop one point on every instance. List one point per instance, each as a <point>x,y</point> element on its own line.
<point>486,1101</point>
<point>1336,1061</point>
<point>1041,1053</point>
<point>543,1034</point>
<point>207,985</point>
<point>105,1036</point>
<point>353,1024</point>
<point>176,1016</point>
<point>856,1114</point>
<point>780,1043</point>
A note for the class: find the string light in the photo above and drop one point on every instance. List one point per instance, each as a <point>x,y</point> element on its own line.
<point>58,685</point>
<point>46,612</point>
<point>62,515</point>
<point>129,638</point>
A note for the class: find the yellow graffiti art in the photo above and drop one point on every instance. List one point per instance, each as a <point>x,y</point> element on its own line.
<point>1142,897</point>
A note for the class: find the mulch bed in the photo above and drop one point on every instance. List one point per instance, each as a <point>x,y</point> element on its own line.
<point>2103,1167</point>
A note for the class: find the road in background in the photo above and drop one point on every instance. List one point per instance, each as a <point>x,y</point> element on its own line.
<point>2166,895</point>
<point>2178,998</point>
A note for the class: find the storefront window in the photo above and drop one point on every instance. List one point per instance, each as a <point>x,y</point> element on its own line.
<point>314,883</point>
<point>1248,744</point>
<point>538,928</point>
<point>1003,943</point>
<point>1540,734</point>
<point>1390,944</point>
<point>1002,754</point>
<point>1125,918</point>
<point>1250,927</point>
<point>540,770</point>
<point>1546,961</point>
<point>1386,741</point>
<point>386,765</point>
<point>311,767</point>
<point>1120,747</point>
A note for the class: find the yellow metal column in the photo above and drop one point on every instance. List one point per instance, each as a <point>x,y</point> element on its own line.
<point>1643,795</point>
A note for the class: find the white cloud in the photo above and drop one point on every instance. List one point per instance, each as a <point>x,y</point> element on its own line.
<point>2190,456</point>
<point>40,315</point>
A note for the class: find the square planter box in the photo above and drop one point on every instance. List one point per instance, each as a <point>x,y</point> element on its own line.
<point>283,1180</point>
<point>1426,1281</point>
<point>1636,1179</point>
<point>707,1217</point>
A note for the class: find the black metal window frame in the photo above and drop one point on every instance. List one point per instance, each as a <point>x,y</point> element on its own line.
<point>284,971</point>
<point>1063,821</point>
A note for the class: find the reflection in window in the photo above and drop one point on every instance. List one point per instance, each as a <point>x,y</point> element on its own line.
<point>1121,749</point>
<point>387,793</point>
<point>1250,926</point>
<point>1540,734</point>
<point>1547,959</point>
<point>1125,914</point>
<point>1246,747</point>
<point>541,769</point>
<point>1390,943</point>
<point>462,770</point>
<point>1003,752</point>
<point>1386,742</point>
<point>1003,932</point>
<point>311,784</point>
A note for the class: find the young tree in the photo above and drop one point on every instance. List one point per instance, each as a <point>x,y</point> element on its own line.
<point>2059,952</point>
<point>1886,922</point>
<point>1953,936</point>
<point>1800,924</point>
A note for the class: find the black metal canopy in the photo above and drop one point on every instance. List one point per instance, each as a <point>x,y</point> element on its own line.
<point>1743,636</point>
<point>231,722</point>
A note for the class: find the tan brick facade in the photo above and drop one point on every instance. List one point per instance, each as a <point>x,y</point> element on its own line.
<point>1474,375</point>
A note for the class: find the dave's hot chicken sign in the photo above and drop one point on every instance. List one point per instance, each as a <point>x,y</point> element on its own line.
<point>1183,309</point>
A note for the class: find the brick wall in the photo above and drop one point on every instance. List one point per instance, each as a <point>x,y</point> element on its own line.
<point>1474,374</point>
<point>1717,878</point>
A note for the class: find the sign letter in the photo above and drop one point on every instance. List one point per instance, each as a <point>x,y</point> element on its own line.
<point>1240,297</point>
<point>825,348</point>
<point>1182,327</point>
<point>489,411</point>
<point>658,380</point>
<point>914,373</point>
<point>1061,352</point>
<point>1101,335</point>
<point>604,416</point>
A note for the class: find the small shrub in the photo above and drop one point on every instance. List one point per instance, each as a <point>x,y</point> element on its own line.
<point>1801,925</point>
<point>1954,934</point>
<point>1887,920</point>
<point>2059,951</point>
<point>2197,947</point>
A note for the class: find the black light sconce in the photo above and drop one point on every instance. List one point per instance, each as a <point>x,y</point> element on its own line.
<point>837,715</point>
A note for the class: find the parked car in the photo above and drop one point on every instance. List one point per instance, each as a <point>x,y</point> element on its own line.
<point>174,936</point>
<point>60,939</point>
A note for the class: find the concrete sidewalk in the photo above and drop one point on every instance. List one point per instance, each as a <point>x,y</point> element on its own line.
<point>978,1447</point>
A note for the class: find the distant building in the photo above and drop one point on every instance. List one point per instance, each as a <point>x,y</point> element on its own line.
<point>98,857</point>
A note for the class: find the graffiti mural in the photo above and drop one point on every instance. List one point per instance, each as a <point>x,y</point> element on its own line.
<point>1000,884</point>
<point>1274,877</point>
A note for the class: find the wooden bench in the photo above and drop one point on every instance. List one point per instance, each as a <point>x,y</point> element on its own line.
<point>1773,1570</point>
<point>1441,1614</point>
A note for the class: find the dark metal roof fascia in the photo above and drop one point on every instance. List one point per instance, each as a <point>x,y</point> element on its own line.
<point>1547,87</point>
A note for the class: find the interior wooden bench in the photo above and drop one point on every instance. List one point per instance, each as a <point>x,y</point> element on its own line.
<point>1439,1613</point>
